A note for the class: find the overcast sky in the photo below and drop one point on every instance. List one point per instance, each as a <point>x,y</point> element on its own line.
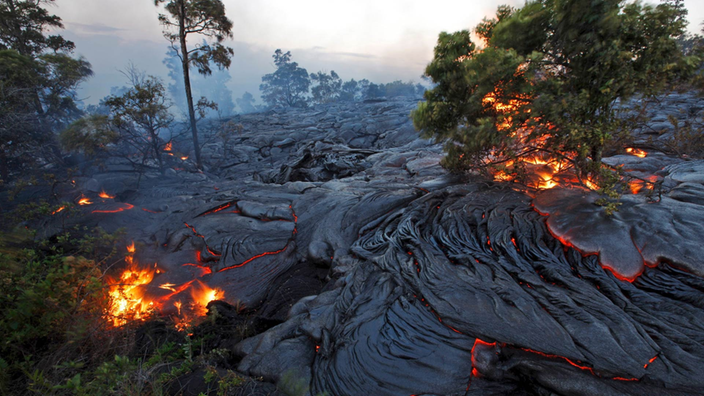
<point>381,40</point>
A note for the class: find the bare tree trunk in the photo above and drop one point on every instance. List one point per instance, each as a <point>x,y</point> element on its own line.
<point>187,82</point>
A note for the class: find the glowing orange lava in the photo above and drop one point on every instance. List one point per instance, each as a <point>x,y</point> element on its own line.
<point>84,200</point>
<point>637,152</point>
<point>58,210</point>
<point>122,207</point>
<point>636,186</point>
<point>105,195</point>
<point>168,146</point>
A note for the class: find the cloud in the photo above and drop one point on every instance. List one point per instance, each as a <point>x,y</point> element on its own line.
<point>354,55</point>
<point>95,28</point>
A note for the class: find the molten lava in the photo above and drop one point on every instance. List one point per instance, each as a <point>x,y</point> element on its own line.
<point>105,195</point>
<point>84,200</point>
<point>637,152</point>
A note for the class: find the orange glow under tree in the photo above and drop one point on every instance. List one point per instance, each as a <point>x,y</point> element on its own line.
<point>539,98</point>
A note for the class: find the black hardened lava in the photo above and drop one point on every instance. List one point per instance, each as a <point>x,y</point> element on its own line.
<point>466,291</point>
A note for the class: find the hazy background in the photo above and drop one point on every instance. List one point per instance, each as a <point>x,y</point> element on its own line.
<point>380,40</point>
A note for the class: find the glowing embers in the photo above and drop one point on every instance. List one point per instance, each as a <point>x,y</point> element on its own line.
<point>637,152</point>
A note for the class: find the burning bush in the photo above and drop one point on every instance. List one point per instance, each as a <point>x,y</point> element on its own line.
<point>545,84</point>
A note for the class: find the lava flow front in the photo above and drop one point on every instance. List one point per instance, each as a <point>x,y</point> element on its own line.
<point>136,294</point>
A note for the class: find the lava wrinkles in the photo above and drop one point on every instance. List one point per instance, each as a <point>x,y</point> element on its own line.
<point>245,262</point>
<point>613,271</point>
<point>577,364</point>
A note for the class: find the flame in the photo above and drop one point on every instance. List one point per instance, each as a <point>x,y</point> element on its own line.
<point>637,152</point>
<point>168,146</point>
<point>591,185</point>
<point>185,157</point>
<point>134,296</point>
<point>202,295</point>
<point>127,301</point>
<point>105,195</point>
<point>84,200</point>
<point>58,210</point>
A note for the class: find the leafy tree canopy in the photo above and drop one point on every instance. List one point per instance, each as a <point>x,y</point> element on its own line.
<point>38,81</point>
<point>547,78</point>
<point>288,86</point>
<point>327,88</point>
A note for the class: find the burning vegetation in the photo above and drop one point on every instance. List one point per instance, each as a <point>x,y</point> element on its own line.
<point>136,294</point>
<point>532,107</point>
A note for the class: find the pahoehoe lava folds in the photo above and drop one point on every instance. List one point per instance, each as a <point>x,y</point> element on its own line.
<point>457,267</point>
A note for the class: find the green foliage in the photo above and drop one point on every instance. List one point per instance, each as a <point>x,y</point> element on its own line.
<point>327,88</point>
<point>548,80</point>
<point>47,298</point>
<point>24,23</point>
<point>288,85</point>
<point>140,113</point>
<point>90,135</point>
<point>38,81</point>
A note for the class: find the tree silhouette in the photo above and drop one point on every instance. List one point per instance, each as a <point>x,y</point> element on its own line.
<point>203,17</point>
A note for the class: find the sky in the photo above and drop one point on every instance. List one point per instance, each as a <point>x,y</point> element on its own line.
<point>380,40</point>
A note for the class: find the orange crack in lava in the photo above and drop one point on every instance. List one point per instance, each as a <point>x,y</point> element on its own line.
<point>122,207</point>
<point>295,231</point>
<point>613,271</point>
<point>218,209</point>
<point>573,363</point>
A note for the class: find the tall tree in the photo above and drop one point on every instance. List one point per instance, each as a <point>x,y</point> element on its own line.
<point>288,86</point>
<point>37,84</point>
<point>197,17</point>
<point>141,113</point>
<point>547,80</point>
